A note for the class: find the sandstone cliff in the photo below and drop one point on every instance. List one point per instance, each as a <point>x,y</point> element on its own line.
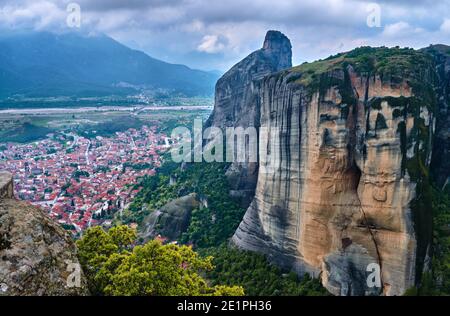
<point>237,102</point>
<point>351,142</point>
<point>37,256</point>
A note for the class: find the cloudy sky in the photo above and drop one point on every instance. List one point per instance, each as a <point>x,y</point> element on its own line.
<point>215,34</point>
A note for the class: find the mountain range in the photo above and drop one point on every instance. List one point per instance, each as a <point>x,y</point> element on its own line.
<point>44,64</point>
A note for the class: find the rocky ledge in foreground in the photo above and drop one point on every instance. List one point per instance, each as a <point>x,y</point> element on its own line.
<point>37,257</point>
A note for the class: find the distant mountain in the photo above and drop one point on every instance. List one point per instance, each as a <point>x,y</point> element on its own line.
<point>216,72</point>
<point>42,64</point>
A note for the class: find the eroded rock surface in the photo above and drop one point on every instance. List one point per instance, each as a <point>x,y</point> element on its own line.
<point>37,257</point>
<point>171,220</point>
<point>237,103</point>
<point>346,181</point>
<point>6,185</point>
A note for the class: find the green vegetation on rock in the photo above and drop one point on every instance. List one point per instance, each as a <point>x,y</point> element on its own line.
<point>436,281</point>
<point>391,64</point>
<point>209,226</point>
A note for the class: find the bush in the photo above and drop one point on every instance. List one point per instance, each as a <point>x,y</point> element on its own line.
<point>114,266</point>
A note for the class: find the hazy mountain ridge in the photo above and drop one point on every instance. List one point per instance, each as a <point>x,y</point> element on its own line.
<point>42,64</point>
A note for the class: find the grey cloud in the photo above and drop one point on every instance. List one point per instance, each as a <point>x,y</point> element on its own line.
<point>110,5</point>
<point>215,33</point>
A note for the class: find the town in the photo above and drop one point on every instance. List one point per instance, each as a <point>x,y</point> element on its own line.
<point>83,182</point>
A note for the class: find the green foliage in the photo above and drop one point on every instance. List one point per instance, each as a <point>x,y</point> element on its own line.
<point>109,128</point>
<point>437,280</point>
<point>411,292</point>
<point>209,226</point>
<point>221,290</point>
<point>216,224</point>
<point>122,236</point>
<point>114,266</point>
<point>136,166</point>
<point>67,226</point>
<point>94,249</point>
<point>257,276</point>
<point>155,191</point>
<point>441,241</point>
<point>25,133</point>
<point>80,173</point>
<point>311,71</point>
<point>391,64</point>
<point>103,169</point>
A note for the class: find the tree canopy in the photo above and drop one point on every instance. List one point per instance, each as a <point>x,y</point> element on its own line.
<point>115,266</point>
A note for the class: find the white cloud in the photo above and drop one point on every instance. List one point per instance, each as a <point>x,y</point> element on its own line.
<point>445,26</point>
<point>403,32</point>
<point>212,44</point>
<point>37,15</point>
<point>397,29</point>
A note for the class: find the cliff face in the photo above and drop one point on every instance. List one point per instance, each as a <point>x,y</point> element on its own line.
<point>351,144</point>
<point>441,150</point>
<point>237,102</point>
<point>37,256</point>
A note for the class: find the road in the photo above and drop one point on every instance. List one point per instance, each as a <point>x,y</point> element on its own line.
<point>106,109</point>
<point>87,153</point>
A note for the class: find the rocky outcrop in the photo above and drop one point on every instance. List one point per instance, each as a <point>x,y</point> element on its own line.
<point>171,220</point>
<point>37,257</point>
<point>6,185</point>
<point>237,102</point>
<point>345,185</point>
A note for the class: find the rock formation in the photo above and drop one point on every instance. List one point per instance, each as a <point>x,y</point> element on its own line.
<point>6,185</point>
<point>37,256</point>
<point>441,150</point>
<point>350,143</point>
<point>237,102</point>
<point>171,220</point>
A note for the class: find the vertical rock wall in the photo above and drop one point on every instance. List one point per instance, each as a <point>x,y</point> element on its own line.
<point>237,103</point>
<point>339,197</point>
<point>350,139</point>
